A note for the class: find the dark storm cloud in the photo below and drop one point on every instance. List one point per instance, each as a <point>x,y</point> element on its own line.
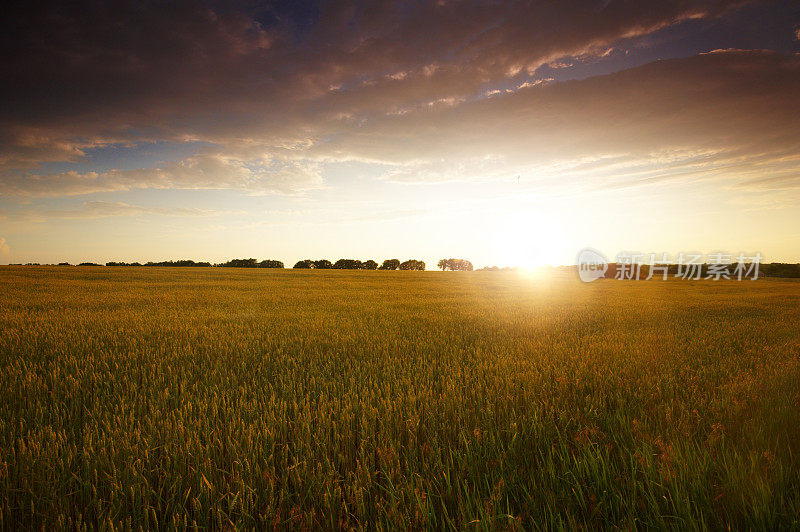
<point>274,83</point>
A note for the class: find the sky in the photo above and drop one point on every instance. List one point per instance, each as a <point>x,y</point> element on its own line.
<point>507,133</point>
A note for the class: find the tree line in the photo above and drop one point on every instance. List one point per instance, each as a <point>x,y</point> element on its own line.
<point>774,269</point>
<point>354,264</point>
<point>322,264</point>
<point>768,269</point>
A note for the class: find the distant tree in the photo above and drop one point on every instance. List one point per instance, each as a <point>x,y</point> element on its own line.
<point>370,265</point>
<point>64,264</point>
<point>455,265</point>
<point>412,264</point>
<point>88,264</point>
<point>268,263</point>
<point>306,264</point>
<point>779,269</point>
<point>183,263</point>
<point>241,263</point>
<point>139,264</point>
<point>323,264</point>
<point>193,264</point>
<point>390,264</point>
<point>348,264</point>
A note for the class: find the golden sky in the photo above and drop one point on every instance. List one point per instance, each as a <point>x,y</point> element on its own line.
<point>511,133</point>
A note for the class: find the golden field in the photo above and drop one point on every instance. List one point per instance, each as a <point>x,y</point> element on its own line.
<point>250,398</point>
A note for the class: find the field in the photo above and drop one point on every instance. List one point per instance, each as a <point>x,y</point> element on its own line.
<point>221,398</point>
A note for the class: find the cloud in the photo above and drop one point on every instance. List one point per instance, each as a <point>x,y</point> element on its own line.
<point>204,171</point>
<point>438,91</point>
<point>92,210</point>
<point>4,249</point>
<point>440,170</point>
<point>104,209</point>
<point>181,71</point>
<point>730,113</point>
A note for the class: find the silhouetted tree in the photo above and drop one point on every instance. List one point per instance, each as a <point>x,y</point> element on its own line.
<point>370,265</point>
<point>64,264</point>
<point>779,269</point>
<point>307,264</point>
<point>464,265</point>
<point>455,265</point>
<point>240,263</point>
<point>348,264</point>
<point>390,264</point>
<point>184,263</point>
<point>412,264</point>
<point>268,263</point>
<point>323,264</point>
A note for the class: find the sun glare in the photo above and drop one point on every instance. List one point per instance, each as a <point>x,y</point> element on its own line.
<point>530,243</point>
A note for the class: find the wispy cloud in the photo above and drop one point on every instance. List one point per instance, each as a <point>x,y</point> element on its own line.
<point>90,210</point>
<point>104,209</point>
<point>731,115</point>
<point>205,171</point>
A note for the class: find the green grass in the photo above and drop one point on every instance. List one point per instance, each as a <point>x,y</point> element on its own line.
<point>148,397</point>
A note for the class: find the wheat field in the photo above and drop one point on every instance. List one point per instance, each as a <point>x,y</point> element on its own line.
<point>216,398</point>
